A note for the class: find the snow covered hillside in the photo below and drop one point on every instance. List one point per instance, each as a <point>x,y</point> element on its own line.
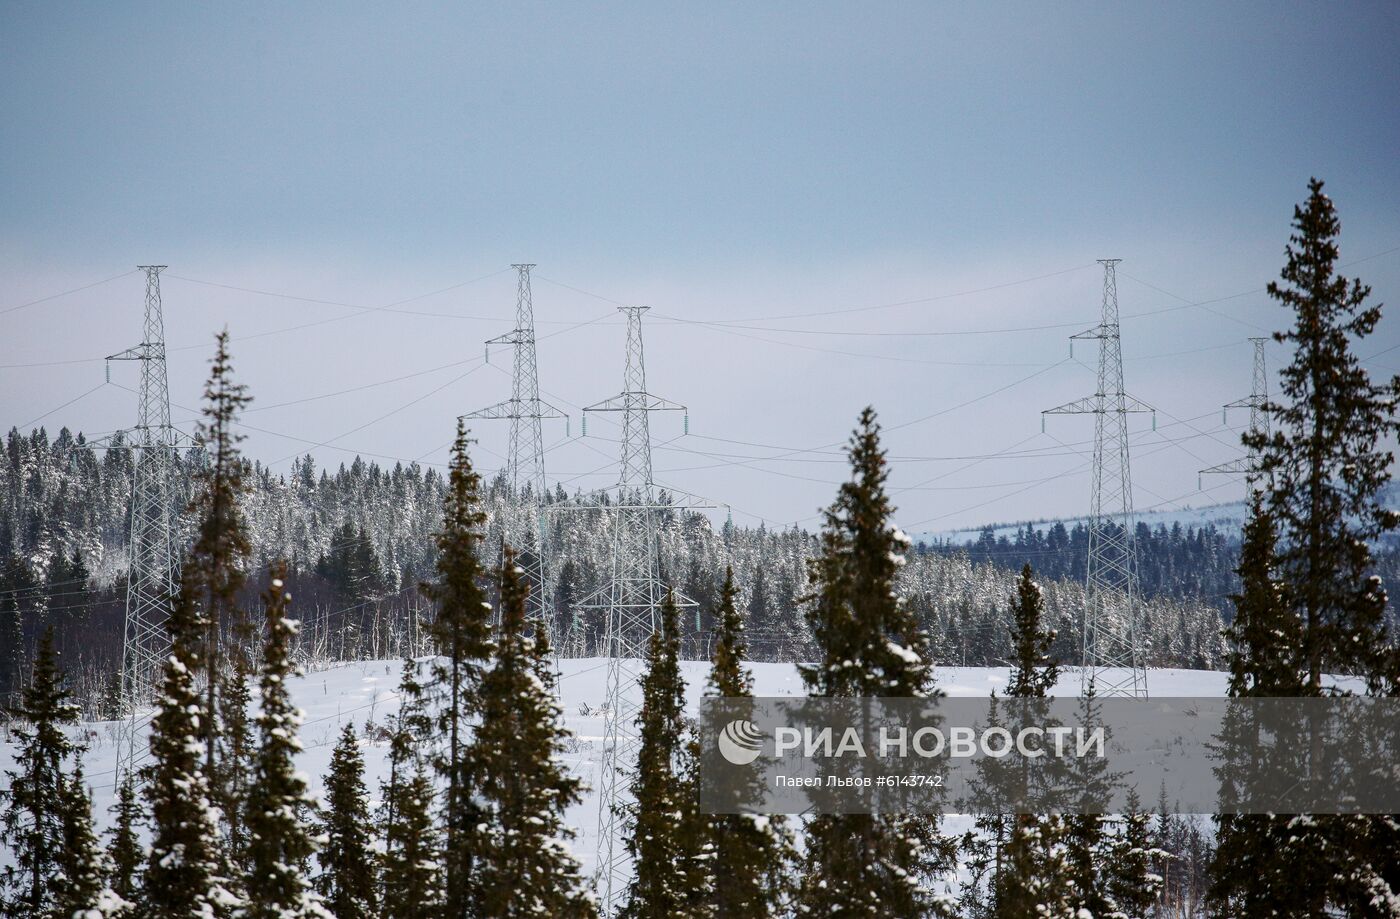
<point>365,693</point>
<point>1227,517</point>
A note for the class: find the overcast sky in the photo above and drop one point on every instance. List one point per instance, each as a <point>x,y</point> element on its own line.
<point>747,170</point>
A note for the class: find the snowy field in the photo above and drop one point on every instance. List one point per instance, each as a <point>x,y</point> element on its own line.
<point>365,693</point>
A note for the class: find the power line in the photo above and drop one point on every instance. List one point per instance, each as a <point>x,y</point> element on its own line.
<point>364,386</point>
<point>75,290</point>
<point>387,308</point>
<point>727,330</point>
<point>63,406</point>
<point>1069,472</point>
<point>389,414</point>
<point>911,302</point>
<point>909,458</point>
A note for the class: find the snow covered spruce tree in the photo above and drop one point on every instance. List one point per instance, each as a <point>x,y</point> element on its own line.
<point>237,753</point>
<point>983,848</point>
<point>1034,671</point>
<point>1324,460</point>
<point>124,850</point>
<point>185,868</point>
<point>347,879</point>
<point>1087,841</point>
<point>868,644</point>
<point>411,867</point>
<point>32,824</point>
<point>412,871</point>
<point>1035,866</point>
<point>82,886</point>
<point>461,631</point>
<point>279,844</point>
<point>525,868</point>
<point>214,572</point>
<point>1251,870</point>
<point>661,816</point>
<point>752,852</point>
<point>11,643</point>
<point>1130,882</point>
<point>1324,464</point>
<point>1264,638</point>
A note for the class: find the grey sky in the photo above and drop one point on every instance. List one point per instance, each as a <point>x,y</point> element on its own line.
<point>719,162</point>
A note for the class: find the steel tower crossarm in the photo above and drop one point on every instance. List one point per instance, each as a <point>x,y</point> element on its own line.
<point>513,411</point>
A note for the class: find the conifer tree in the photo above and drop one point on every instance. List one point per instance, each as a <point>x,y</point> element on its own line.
<point>1324,459</point>
<point>11,646</point>
<point>868,644</point>
<point>1085,831</point>
<point>1034,870</point>
<point>237,750</point>
<point>347,880</point>
<point>83,889</point>
<point>410,868</point>
<point>1265,635</point>
<point>237,754</point>
<point>1325,463</point>
<point>1035,878</point>
<point>1131,884</point>
<point>411,726</point>
<point>124,853</point>
<point>185,866</point>
<point>214,569</point>
<point>750,850</point>
<point>524,868</point>
<point>759,612</point>
<point>462,633</point>
<point>657,814</point>
<point>279,845</point>
<point>696,846</point>
<point>1034,671</point>
<point>985,846</point>
<point>37,803</point>
<point>1252,867</point>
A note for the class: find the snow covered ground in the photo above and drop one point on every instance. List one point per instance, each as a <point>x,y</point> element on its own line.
<point>365,693</point>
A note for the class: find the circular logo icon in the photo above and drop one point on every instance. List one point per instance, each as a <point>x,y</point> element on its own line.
<point>740,742</point>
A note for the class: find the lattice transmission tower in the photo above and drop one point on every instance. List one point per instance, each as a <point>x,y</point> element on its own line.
<point>524,527</point>
<point>1113,659</point>
<point>155,552</point>
<point>631,601</point>
<point>1258,418</point>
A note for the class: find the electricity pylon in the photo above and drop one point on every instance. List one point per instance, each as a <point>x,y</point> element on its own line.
<point>1113,660</point>
<point>153,569</point>
<point>632,598</point>
<point>1258,418</point>
<point>524,528</point>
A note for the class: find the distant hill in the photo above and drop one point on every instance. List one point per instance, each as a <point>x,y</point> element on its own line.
<point>1227,518</point>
